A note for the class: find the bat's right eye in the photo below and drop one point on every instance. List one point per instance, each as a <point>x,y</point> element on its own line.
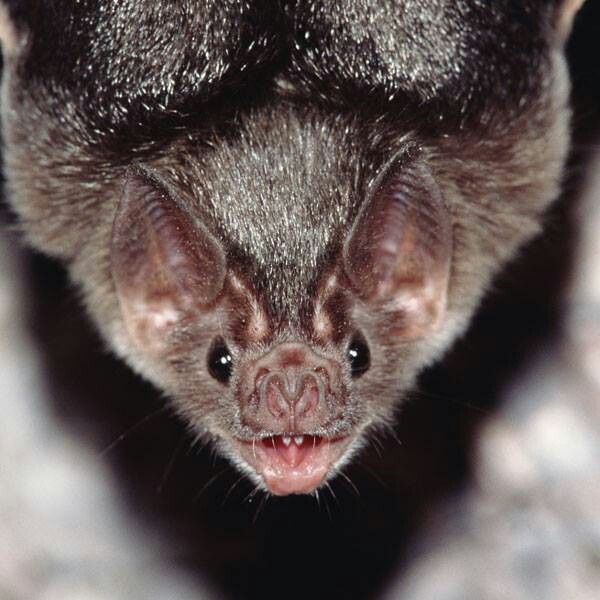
<point>359,356</point>
<point>220,361</point>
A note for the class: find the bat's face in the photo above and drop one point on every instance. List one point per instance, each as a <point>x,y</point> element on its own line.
<point>281,235</point>
<point>284,364</point>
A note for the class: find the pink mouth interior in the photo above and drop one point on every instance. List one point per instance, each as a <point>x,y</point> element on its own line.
<point>292,450</point>
<point>292,464</point>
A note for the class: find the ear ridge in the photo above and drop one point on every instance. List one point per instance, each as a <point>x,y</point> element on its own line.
<point>398,253</point>
<point>164,267</point>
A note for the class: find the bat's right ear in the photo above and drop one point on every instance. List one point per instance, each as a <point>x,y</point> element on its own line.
<point>166,267</point>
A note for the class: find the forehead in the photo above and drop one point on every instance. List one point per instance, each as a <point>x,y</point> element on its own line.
<point>280,197</point>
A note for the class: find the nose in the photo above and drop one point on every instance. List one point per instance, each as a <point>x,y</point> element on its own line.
<point>291,388</point>
<point>291,393</point>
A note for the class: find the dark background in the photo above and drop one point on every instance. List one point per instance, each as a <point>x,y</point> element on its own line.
<point>349,543</point>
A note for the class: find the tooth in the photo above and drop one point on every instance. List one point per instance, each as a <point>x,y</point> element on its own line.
<point>298,439</point>
<point>286,440</point>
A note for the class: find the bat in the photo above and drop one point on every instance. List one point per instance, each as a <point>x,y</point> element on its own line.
<point>281,212</point>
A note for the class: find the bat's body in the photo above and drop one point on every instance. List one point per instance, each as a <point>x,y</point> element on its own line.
<point>281,212</point>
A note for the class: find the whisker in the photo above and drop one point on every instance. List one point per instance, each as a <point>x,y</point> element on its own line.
<point>376,444</point>
<point>352,485</point>
<point>230,490</point>
<point>391,432</point>
<point>373,474</point>
<point>261,505</point>
<point>171,463</point>
<point>317,498</point>
<point>428,395</point>
<point>131,429</point>
<point>210,482</point>
<point>251,495</point>
<point>326,506</point>
<point>332,492</point>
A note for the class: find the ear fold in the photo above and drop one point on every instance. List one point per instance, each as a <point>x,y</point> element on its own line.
<point>399,251</point>
<point>165,267</point>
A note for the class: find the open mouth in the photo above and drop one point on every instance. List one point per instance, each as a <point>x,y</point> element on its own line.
<point>293,464</point>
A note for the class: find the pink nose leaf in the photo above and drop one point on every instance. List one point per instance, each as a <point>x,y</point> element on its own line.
<point>287,394</point>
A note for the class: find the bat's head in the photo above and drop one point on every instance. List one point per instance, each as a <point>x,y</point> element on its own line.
<point>285,280</point>
<point>283,326</point>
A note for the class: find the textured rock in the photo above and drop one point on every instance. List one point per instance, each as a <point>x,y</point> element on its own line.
<point>529,528</point>
<point>64,533</point>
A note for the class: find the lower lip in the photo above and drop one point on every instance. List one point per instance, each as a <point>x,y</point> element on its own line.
<point>287,470</point>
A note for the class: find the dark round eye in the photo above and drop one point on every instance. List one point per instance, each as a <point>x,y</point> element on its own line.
<point>359,356</point>
<point>219,361</point>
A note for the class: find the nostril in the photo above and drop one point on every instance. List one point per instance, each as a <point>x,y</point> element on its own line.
<point>272,395</point>
<point>260,375</point>
<point>323,376</point>
<point>308,400</point>
<point>311,392</point>
<point>321,372</point>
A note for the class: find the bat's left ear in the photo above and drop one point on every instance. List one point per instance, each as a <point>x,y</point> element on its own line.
<point>564,14</point>
<point>398,254</point>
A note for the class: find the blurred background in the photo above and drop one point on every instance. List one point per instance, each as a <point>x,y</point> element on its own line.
<point>489,489</point>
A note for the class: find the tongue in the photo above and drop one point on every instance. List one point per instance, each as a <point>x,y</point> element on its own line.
<point>297,464</point>
<point>291,449</point>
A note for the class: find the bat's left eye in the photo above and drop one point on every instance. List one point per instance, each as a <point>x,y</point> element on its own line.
<point>359,356</point>
<point>220,361</point>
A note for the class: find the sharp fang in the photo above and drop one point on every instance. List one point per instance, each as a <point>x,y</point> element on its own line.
<point>298,439</point>
<point>286,440</point>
